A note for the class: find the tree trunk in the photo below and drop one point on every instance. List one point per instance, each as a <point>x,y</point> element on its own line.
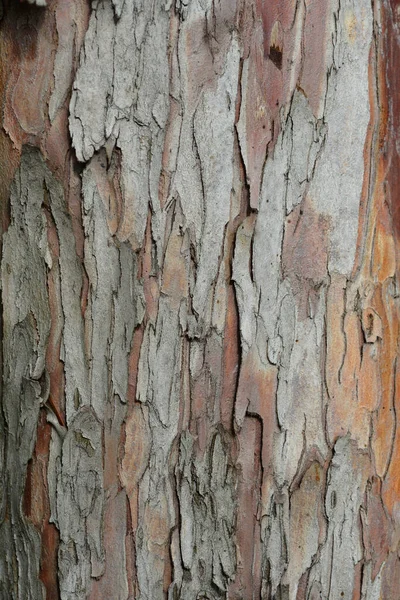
<point>200,299</point>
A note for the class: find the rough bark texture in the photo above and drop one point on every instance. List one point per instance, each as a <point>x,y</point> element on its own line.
<point>200,299</point>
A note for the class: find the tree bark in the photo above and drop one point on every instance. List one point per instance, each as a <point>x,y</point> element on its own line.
<point>200,299</point>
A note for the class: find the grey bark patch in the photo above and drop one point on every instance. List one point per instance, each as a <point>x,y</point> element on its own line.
<point>207,505</point>
<point>70,286</point>
<point>103,268</point>
<point>307,137</point>
<point>159,387</point>
<point>242,272</point>
<point>213,135</point>
<point>80,506</point>
<point>347,113</point>
<point>182,487</point>
<point>26,322</point>
<point>342,550</point>
<point>122,95</point>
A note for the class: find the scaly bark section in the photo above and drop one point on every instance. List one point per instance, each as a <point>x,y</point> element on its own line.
<point>26,324</point>
<point>203,279</point>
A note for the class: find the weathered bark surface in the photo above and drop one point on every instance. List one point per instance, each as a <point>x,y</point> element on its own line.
<point>200,299</point>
